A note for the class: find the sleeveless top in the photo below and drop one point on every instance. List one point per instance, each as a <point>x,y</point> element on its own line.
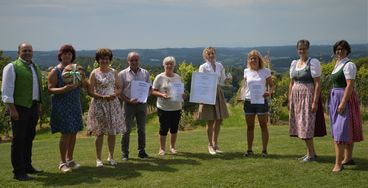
<point>66,109</point>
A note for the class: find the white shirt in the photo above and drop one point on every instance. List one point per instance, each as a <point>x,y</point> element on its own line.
<point>315,67</point>
<point>162,83</point>
<point>220,71</point>
<point>8,84</point>
<point>255,76</point>
<point>349,70</point>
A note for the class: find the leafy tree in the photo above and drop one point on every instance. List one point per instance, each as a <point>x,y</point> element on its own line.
<point>326,83</point>
<point>4,60</point>
<point>46,105</point>
<point>4,117</point>
<point>361,62</point>
<point>185,70</point>
<point>279,99</point>
<point>5,125</point>
<point>362,80</point>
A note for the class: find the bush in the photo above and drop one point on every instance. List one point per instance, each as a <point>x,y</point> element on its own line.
<point>276,109</point>
<point>5,124</point>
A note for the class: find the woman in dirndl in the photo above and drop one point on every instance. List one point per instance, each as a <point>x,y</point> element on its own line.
<point>306,117</point>
<point>346,121</point>
<point>214,114</point>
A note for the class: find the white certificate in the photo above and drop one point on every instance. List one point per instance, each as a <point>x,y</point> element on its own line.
<point>203,88</point>
<point>176,92</point>
<point>139,90</point>
<point>256,90</point>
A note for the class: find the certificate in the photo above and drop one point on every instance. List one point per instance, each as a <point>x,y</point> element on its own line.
<point>203,88</point>
<point>139,90</point>
<point>176,92</point>
<point>256,90</point>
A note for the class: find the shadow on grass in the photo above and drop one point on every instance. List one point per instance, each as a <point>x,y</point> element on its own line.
<point>235,155</point>
<point>123,171</point>
<point>361,163</point>
<point>206,156</point>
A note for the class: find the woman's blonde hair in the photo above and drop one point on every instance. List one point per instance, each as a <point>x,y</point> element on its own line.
<point>206,50</point>
<point>169,59</point>
<point>259,56</point>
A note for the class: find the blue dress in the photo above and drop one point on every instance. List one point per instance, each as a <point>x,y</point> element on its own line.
<point>66,109</point>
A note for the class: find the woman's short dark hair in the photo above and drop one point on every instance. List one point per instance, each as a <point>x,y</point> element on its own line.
<point>303,41</point>
<point>344,44</point>
<point>66,48</point>
<point>103,52</point>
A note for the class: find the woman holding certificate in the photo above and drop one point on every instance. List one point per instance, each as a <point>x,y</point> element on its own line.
<point>256,77</point>
<point>168,88</point>
<point>346,121</point>
<point>214,114</point>
<point>304,100</point>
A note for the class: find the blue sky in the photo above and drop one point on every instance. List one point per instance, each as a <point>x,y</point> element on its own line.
<point>131,24</point>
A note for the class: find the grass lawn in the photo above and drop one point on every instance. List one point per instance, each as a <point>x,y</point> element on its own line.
<point>193,166</point>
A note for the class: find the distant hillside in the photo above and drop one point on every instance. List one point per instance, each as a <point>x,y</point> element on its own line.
<point>281,56</point>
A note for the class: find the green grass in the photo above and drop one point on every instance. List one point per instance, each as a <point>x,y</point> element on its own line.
<point>193,166</point>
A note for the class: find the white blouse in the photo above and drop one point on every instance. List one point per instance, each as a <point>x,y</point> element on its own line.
<point>220,71</point>
<point>349,70</point>
<point>315,67</point>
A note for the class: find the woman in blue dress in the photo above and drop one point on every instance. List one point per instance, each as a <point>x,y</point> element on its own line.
<point>66,110</point>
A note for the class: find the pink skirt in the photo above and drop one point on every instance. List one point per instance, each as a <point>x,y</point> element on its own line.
<point>301,119</point>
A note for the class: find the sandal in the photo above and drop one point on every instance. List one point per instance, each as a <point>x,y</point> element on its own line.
<point>248,153</point>
<point>350,162</point>
<point>161,152</point>
<point>72,164</point>
<point>112,162</point>
<point>217,149</point>
<point>63,167</point>
<point>173,151</point>
<point>264,154</point>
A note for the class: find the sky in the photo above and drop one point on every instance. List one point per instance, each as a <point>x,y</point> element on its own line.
<point>134,24</point>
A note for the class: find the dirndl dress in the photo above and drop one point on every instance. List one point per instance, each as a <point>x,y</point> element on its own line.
<point>346,128</point>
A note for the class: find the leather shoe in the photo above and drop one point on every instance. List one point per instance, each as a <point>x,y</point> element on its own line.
<point>34,171</point>
<point>142,154</point>
<point>350,162</point>
<point>23,177</point>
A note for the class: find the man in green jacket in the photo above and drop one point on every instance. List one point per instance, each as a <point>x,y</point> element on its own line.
<point>21,92</point>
